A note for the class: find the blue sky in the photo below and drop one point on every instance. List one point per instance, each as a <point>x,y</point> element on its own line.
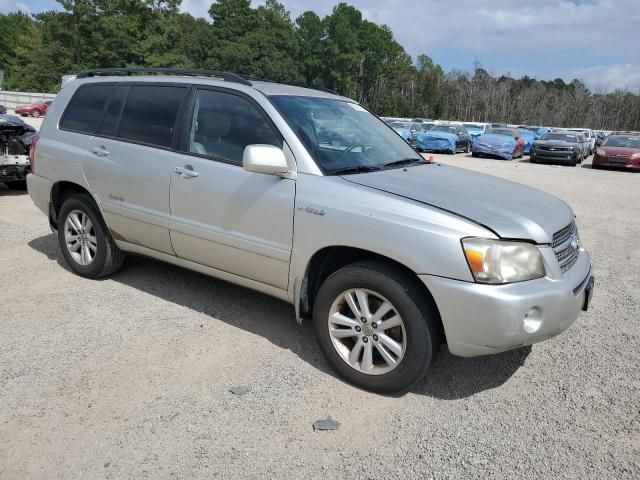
<point>593,40</point>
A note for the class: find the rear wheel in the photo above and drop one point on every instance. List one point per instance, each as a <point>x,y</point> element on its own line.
<point>35,113</point>
<point>375,327</point>
<point>475,154</point>
<point>85,240</point>
<point>467,148</point>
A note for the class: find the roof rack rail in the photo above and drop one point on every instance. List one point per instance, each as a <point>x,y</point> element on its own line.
<point>194,72</point>
<point>324,89</point>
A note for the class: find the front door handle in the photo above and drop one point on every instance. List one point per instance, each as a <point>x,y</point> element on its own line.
<point>186,172</point>
<point>100,151</point>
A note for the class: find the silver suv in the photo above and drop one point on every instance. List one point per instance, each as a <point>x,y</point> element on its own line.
<point>308,197</point>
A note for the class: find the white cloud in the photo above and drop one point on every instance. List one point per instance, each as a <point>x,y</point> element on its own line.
<point>7,6</point>
<point>611,77</point>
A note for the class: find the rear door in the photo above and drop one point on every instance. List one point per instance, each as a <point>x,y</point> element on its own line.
<point>223,216</point>
<point>128,163</point>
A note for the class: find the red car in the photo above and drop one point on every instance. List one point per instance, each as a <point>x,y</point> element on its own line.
<point>619,151</point>
<point>35,109</point>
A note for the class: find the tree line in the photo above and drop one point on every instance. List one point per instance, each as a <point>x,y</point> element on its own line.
<point>342,51</point>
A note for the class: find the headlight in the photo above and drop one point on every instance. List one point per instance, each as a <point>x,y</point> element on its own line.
<point>496,261</point>
<point>635,155</point>
<point>601,152</point>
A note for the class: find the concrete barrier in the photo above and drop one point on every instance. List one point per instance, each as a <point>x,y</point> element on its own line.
<point>11,99</point>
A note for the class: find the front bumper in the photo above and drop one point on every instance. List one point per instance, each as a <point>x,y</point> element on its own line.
<point>616,162</point>
<point>554,156</point>
<point>435,145</point>
<point>482,319</point>
<point>40,192</point>
<point>497,151</point>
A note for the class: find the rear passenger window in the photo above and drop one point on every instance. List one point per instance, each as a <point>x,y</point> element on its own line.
<point>85,108</point>
<point>150,114</point>
<point>110,122</point>
<point>223,124</point>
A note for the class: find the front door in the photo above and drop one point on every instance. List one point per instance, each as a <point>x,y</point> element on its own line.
<point>221,215</point>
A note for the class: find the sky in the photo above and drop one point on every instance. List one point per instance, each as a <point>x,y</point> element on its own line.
<point>596,41</point>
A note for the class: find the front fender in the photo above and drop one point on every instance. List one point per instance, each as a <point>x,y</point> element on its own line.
<point>329,211</point>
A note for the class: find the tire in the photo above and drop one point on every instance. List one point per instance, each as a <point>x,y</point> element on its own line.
<point>418,336</point>
<point>453,151</point>
<point>467,148</point>
<point>17,184</point>
<point>475,154</point>
<point>532,160</point>
<point>107,257</point>
<point>35,113</point>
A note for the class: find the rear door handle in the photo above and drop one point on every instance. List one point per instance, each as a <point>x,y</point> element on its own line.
<point>186,172</point>
<point>100,151</point>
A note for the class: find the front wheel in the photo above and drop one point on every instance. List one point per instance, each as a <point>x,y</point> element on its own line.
<point>85,241</point>
<point>376,327</point>
<point>35,113</point>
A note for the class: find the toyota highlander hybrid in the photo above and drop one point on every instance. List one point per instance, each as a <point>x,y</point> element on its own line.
<point>389,256</point>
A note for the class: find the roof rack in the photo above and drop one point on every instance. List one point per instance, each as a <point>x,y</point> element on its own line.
<point>193,72</point>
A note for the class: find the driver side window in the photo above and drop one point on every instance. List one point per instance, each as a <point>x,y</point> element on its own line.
<point>223,124</point>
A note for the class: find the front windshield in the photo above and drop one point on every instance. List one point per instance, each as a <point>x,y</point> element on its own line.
<point>444,128</point>
<point>342,136</point>
<point>471,126</point>
<point>501,131</point>
<point>626,142</point>
<point>563,137</point>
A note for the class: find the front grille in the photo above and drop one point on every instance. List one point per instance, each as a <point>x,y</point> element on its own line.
<point>554,149</point>
<point>566,245</point>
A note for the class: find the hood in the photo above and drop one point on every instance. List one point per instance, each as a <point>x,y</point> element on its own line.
<point>496,139</point>
<point>556,143</point>
<point>474,131</point>
<point>439,135</point>
<point>528,135</point>
<point>620,151</point>
<point>11,121</point>
<point>509,209</point>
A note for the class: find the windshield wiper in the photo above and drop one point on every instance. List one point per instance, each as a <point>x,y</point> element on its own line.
<point>356,169</point>
<point>404,161</point>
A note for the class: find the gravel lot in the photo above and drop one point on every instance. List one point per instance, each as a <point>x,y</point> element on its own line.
<point>129,377</point>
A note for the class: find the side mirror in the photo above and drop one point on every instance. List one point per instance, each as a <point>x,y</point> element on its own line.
<point>266,159</point>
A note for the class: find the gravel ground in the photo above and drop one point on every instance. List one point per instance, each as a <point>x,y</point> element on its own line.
<point>129,377</point>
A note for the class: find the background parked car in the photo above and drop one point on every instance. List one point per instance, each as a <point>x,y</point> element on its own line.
<point>494,143</point>
<point>35,110</point>
<point>618,151</point>
<point>528,137</point>
<point>403,129</point>
<point>3,109</point>
<point>589,136</point>
<point>444,138</point>
<point>558,147</point>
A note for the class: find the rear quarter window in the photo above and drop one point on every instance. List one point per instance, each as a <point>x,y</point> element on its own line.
<point>85,109</point>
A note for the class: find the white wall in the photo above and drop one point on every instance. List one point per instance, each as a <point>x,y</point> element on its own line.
<point>11,99</point>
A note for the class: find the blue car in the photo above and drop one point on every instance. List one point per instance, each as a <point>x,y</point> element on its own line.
<point>444,138</point>
<point>494,144</point>
<point>403,129</point>
<point>474,130</point>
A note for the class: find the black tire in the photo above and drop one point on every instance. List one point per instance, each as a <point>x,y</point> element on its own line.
<point>17,184</point>
<point>418,311</point>
<point>453,151</point>
<point>475,154</point>
<point>467,148</point>
<point>108,258</point>
<point>35,113</point>
<point>532,160</point>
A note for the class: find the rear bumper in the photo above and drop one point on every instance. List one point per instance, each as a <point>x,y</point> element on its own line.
<point>484,319</point>
<point>40,192</point>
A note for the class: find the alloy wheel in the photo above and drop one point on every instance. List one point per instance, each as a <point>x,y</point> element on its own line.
<point>367,331</point>
<point>80,237</point>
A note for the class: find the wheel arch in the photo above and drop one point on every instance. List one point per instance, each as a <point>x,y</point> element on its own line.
<point>329,259</point>
<point>60,191</point>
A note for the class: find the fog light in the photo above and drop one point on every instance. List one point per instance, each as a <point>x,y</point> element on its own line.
<point>532,320</point>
